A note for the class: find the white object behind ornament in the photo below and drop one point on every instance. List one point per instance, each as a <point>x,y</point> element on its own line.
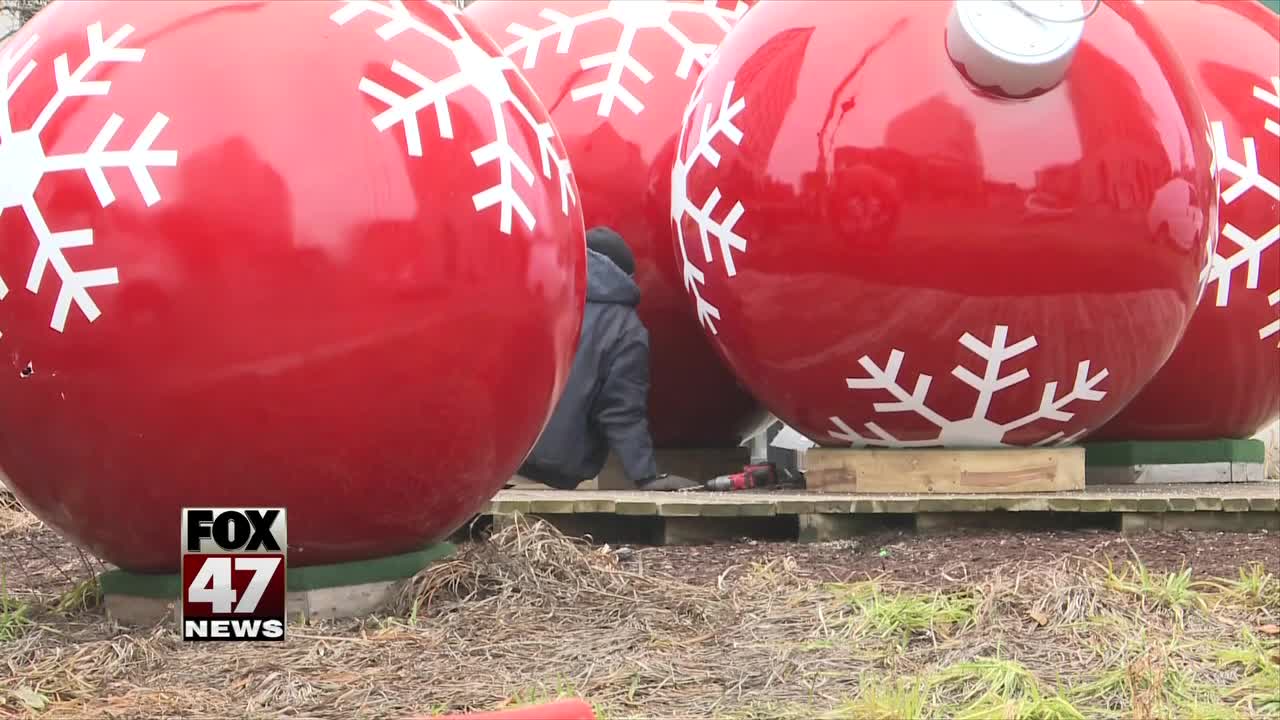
<point>788,439</point>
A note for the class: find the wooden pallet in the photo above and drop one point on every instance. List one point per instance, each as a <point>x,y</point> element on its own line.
<point>695,517</point>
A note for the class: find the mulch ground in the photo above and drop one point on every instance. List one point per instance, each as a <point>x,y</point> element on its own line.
<point>42,563</point>
<point>951,559</point>
<point>1052,624</point>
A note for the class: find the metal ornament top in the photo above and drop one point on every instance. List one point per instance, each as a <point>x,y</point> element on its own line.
<point>1006,47</point>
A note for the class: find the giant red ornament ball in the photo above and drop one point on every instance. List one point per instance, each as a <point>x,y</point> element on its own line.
<point>1223,381</point>
<point>615,76</point>
<point>888,254</point>
<point>318,255</point>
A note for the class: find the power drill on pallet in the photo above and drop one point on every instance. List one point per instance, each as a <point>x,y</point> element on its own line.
<point>755,475</point>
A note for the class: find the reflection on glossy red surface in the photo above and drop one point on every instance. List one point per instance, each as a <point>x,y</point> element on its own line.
<point>589,60</point>
<point>894,257</point>
<point>1224,378</point>
<point>302,311</point>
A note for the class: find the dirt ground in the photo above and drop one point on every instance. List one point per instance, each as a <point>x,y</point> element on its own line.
<point>1055,624</point>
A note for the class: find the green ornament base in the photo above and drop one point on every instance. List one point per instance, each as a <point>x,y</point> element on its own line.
<point>316,592</point>
<point>1183,461</point>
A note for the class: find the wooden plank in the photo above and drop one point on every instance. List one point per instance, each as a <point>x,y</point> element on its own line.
<point>893,505</point>
<point>1233,497</point>
<point>841,502</point>
<point>1200,520</point>
<point>1159,505</point>
<point>507,506</point>
<point>681,509</point>
<point>1019,504</point>
<point>1063,504</point>
<point>1093,505</point>
<point>758,510</point>
<point>1234,504</point>
<point>952,504</point>
<point>1209,503</point>
<point>833,505</point>
<point>1261,504</point>
<point>941,470</point>
<point>594,505</point>
<point>1124,503</point>
<point>699,509</point>
<point>628,506</point>
<point>552,506</point>
<point>796,507</point>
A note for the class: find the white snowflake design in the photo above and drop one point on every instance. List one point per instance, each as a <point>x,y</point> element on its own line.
<point>715,122</point>
<point>634,16</point>
<point>976,430</point>
<point>24,163</point>
<point>1248,177</point>
<point>1272,327</point>
<point>480,71</point>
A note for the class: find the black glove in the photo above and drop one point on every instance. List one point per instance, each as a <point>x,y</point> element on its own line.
<point>667,482</point>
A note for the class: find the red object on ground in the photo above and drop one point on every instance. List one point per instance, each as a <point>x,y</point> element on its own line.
<point>888,255</point>
<point>616,77</point>
<point>573,709</point>
<point>298,282</point>
<point>752,476</point>
<point>1224,378</point>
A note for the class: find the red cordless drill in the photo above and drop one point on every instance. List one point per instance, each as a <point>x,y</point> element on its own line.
<point>752,476</point>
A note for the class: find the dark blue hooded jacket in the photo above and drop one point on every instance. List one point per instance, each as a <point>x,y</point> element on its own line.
<point>605,400</point>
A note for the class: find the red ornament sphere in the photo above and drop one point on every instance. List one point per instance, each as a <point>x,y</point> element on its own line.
<point>1223,380</point>
<point>317,255</point>
<point>615,76</point>
<point>888,255</point>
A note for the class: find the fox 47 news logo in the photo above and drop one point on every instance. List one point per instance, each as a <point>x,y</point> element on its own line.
<point>233,573</point>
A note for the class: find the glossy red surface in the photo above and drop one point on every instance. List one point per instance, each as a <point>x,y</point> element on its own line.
<point>620,132</point>
<point>306,314</point>
<point>874,225</point>
<point>1224,378</point>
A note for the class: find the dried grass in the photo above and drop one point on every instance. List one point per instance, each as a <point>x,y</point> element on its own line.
<point>13,518</point>
<point>530,615</point>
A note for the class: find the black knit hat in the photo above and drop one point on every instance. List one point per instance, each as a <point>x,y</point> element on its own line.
<point>610,244</point>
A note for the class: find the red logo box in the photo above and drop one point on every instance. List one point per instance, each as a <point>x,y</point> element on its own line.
<point>233,574</point>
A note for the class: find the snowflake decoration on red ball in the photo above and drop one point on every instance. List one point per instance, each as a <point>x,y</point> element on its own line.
<point>24,163</point>
<point>476,70</point>
<point>1248,177</point>
<point>633,17</point>
<point>698,144</point>
<point>1272,327</point>
<point>977,430</point>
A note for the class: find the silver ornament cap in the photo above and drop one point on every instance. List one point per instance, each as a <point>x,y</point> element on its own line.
<point>1015,48</point>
